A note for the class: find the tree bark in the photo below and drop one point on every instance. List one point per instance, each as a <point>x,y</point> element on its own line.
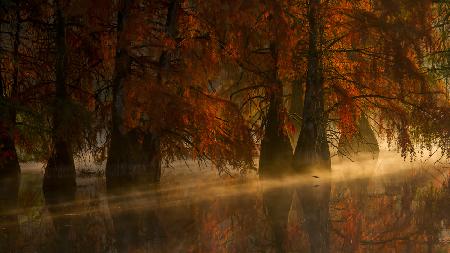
<point>9,163</point>
<point>276,150</point>
<point>60,169</point>
<point>312,150</point>
<point>275,160</point>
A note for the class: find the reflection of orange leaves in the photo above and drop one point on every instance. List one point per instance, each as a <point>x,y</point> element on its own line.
<point>169,43</point>
<point>290,127</point>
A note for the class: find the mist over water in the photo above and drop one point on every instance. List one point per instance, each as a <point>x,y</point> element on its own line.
<point>383,205</point>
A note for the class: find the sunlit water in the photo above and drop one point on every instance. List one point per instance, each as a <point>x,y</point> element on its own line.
<point>384,205</point>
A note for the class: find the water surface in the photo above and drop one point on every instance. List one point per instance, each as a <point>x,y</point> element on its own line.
<point>389,205</point>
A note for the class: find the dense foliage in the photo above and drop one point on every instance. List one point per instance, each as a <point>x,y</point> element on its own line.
<point>209,80</point>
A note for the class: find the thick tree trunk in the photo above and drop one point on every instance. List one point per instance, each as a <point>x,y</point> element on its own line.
<point>276,152</point>
<point>9,163</point>
<point>130,160</point>
<point>312,150</point>
<point>276,160</point>
<point>60,169</point>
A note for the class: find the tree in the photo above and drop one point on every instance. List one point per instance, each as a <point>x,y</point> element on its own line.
<point>312,146</point>
<point>133,156</point>
<point>9,164</point>
<point>60,169</point>
<point>170,65</point>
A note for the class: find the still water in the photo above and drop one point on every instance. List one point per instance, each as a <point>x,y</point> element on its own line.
<point>384,205</point>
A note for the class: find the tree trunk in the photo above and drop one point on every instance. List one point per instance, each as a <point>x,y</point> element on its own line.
<point>131,161</point>
<point>60,169</point>
<point>9,163</point>
<point>276,151</point>
<point>312,150</point>
<point>133,156</point>
<point>276,160</point>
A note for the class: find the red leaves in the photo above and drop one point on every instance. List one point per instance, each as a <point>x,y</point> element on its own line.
<point>347,120</point>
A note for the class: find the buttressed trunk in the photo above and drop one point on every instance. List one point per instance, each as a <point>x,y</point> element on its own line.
<point>312,152</point>
<point>276,160</point>
<point>9,163</point>
<point>312,147</point>
<point>276,151</point>
<point>60,169</point>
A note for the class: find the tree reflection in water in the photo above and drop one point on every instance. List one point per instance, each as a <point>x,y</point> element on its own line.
<point>404,211</point>
<point>9,223</point>
<point>136,225</point>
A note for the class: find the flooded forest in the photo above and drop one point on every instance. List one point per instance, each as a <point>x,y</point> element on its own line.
<point>275,126</point>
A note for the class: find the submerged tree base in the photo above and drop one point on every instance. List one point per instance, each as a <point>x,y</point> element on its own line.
<point>60,171</point>
<point>133,160</point>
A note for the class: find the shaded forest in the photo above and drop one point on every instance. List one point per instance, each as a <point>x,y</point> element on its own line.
<point>258,91</point>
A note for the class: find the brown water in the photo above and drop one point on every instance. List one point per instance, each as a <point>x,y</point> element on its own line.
<point>385,206</point>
